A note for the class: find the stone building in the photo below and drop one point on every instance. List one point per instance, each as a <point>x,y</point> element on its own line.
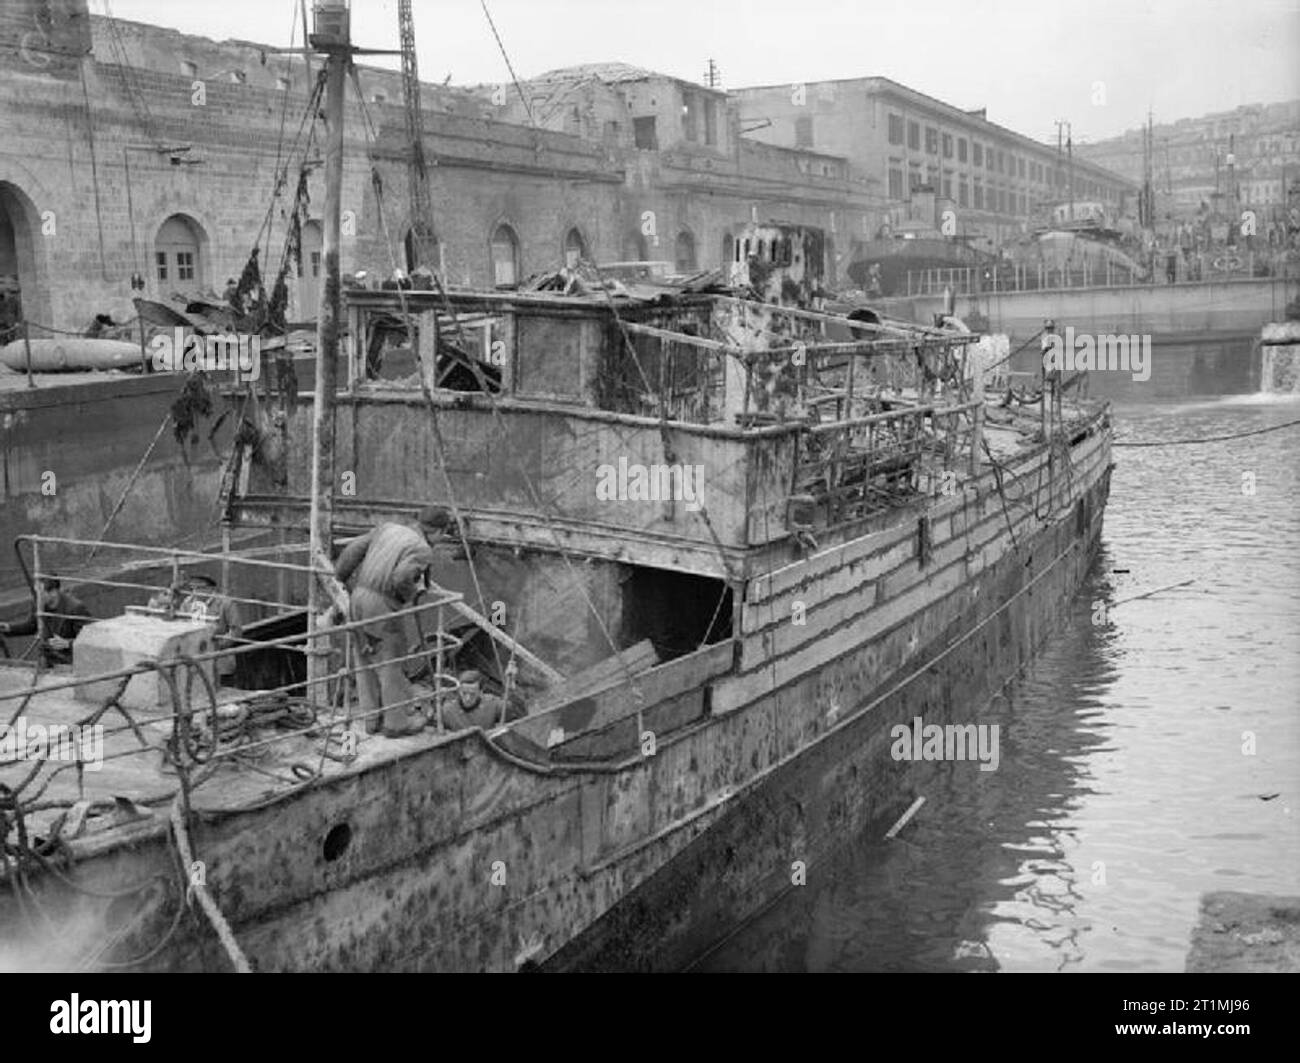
<point>995,180</point>
<point>693,180</point>
<point>133,151</point>
<point>1219,163</point>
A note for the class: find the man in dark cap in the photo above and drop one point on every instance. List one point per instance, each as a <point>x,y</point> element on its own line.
<point>391,565</point>
<point>204,601</point>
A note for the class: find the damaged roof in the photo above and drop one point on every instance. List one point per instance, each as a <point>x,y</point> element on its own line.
<point>610,73</point>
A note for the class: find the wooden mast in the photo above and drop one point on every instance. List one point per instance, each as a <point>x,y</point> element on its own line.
<point>331,37</point>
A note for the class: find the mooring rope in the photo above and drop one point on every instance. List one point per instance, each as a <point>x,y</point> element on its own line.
<point>1206,439</point>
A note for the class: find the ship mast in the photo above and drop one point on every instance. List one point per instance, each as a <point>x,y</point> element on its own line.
<point>332,37</point>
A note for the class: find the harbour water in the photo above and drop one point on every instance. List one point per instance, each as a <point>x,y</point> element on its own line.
<point>1146,760</point>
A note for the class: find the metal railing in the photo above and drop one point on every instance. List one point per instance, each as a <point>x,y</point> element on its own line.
<point>1203,267</point>
<point>339,642</point>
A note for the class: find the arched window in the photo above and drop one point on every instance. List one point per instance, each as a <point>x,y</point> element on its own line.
<point>178,258</point>
<point>575,248</point>
<point>728,248</point>
<point>505,257</point>
<point>309,275</point>
<point>684,255</point>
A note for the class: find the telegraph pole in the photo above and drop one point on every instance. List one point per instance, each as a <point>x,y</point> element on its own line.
<point>1070,148</point>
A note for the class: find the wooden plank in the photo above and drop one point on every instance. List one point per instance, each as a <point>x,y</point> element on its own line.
<point>782,637</point>
<point>892,564</point>
<point>732,693</point>
<point>758,675</point>
<point>757,615</point>
<point>883,544</point>
<point>620,737</point>
<point>602,674</point>
<point>982,492</point>
<point>827,561</point>
<point>662,683</point>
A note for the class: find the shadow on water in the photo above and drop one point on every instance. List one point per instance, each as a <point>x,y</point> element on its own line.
<point>925,900</point>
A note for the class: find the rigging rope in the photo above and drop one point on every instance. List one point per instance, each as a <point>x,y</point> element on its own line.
<point>486,388</point>
<point>528,107</point>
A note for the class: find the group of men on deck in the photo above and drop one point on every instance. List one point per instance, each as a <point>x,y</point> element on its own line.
<point>385,570</point>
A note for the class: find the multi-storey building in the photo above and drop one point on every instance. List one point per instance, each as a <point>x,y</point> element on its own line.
<point>1220,163</point>
<point>994,180</point>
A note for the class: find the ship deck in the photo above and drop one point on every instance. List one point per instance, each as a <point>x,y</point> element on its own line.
<point>140,772</point>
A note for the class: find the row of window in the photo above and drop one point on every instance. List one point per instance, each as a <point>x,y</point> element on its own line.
<point>968,193</point>
<point>178,262</point>
<point>1082,188</point>
<point>986,156</point>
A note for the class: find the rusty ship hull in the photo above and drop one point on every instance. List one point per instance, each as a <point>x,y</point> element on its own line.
<point>465,852</point>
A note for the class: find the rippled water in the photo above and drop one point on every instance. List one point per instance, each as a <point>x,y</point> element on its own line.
<point>1123,793</point>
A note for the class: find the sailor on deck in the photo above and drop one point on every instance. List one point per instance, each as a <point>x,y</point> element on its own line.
<point>469,706</point>
<point>391,564</point>
<point>204,602</point>
<point>62,617</point>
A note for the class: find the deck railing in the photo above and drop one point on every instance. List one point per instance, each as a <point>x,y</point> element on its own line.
<point>1006,277</point>
<point>249,587</point>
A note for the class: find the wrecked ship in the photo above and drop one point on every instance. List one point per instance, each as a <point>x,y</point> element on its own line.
<point>710,661</point>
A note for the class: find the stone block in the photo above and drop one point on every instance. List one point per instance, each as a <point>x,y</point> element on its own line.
<point>122,641</point>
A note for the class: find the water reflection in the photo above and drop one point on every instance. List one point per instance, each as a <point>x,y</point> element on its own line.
<point>1138,756</point>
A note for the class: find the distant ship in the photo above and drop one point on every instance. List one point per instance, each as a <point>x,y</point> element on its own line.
<point>880,266</point>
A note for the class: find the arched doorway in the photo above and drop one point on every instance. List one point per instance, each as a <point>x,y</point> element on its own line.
<point>505,257</point>
<point>309,275</point>
<point>178,255</point>
<point>22,291</point>
<point>684,253</point>
<point>575,248</point>
<point>635,248</point>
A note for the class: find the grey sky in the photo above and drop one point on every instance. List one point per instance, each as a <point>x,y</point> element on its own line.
<point>1029,61</point>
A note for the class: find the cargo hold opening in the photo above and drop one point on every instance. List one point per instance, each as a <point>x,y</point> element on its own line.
<point>678,612</point>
